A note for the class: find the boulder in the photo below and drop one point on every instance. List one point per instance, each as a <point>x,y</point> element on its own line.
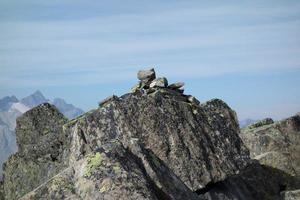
<point>177,85</point>
<point>193,100</point>
<point>159,82</point>
<point>146,75</point>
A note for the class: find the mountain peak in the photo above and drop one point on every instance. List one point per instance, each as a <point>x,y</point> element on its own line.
<point>69,110</point>
<point>59,100</point>
<point>7,101</point>
<point>38,93</point>
<point>34,99</point>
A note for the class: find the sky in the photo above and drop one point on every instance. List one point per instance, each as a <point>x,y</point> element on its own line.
<point>244,52</point>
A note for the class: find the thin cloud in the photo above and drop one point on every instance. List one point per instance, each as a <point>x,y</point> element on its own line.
<point>188,40</point>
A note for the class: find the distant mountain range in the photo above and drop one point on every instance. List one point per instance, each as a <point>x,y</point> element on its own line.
<point>11,108</point>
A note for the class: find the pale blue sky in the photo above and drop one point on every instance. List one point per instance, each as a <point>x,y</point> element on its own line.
<point>246,53</point>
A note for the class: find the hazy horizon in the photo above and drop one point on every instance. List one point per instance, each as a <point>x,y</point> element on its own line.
<point>245,53</point>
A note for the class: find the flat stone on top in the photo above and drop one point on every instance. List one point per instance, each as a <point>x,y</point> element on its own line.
<point>176,85</point>
<point>146,75</point>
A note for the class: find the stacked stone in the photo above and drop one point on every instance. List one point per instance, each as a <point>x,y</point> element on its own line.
<point>148,83</point>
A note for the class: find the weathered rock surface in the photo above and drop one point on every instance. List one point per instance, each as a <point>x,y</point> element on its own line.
<point>290,195</point>
<point>159,82</point>
<point>146,75</point>
<point>153,143</point>
<point>260,123</point>
<point>196,152</point>
<point>115,172</point>
<point>252,183</point>
<point>176,85</point>
<point>275,144</point>
<point>11,108</point>
<point>40,140</point>
<point>1,190</point>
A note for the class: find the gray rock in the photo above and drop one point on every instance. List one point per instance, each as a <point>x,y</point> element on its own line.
<point>115,173</point>
<point>159,82</point>
<point>252,183</point>
<point>1,190</point>
<point>193,100</point>
<point>183,146</point>
<point>41,143</point>
<point>291,195</point>
<point>9,114</point>
<point>177,85</point>
<point>196,149</point>
<point>140,146</point>
<point>136,87</point>
<point>262,122</point>
<point>146,75</point>
<point>107,100</point>
<point>275,144</point>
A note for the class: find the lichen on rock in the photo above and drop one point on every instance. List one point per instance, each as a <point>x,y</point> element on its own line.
<point>93,161</point>
<point>153,143</point>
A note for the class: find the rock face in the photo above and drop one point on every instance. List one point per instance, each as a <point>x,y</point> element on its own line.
<point>40,140</point>
<point>194,151</point>
<point>1,190</point>
<point>252,183</point>
<point>275,144</point>
<point>153,143</point>
<point>11,108</point>
<point>115,172</point>
<point>291,195</point>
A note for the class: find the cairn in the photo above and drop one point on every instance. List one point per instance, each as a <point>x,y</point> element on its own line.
<point>148,83</point>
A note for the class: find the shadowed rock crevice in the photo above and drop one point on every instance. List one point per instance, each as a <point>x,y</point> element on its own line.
<point>254,182</point>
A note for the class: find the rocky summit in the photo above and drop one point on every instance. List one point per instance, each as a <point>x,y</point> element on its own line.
<point>153,143</point>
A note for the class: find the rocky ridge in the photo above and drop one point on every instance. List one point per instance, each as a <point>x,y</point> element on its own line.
<point>152,143</point>
<point>275,144</point>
